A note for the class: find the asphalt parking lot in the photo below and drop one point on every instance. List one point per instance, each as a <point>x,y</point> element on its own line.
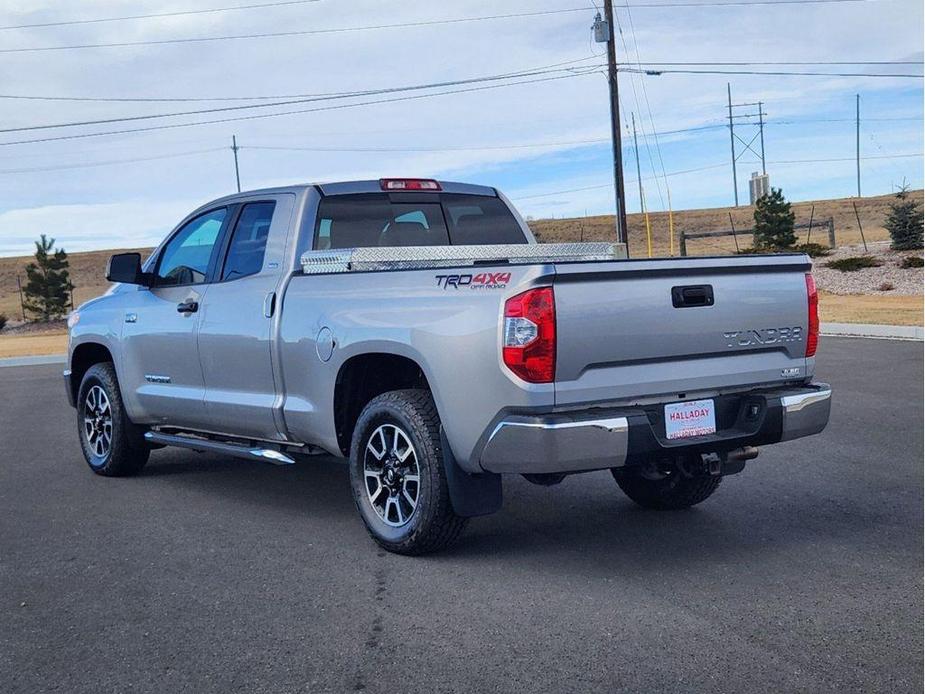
<point>804,573</point>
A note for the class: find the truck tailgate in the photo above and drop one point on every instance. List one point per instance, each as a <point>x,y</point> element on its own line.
<point>635,330</point>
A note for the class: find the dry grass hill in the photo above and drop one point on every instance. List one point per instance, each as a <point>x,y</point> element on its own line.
<point>872,211</point>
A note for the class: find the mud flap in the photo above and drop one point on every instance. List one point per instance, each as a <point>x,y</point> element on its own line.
<point>471,495</point>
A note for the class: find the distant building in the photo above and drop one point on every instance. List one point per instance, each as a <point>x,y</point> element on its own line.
<point>758,186</point>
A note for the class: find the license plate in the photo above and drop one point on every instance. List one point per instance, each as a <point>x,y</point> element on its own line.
<point>693,418</point>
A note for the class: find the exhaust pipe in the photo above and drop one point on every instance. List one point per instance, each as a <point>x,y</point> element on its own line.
<point>743,454</point>
<point>735,460</point>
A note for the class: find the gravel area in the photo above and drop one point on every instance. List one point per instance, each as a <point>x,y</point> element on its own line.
<point>869,280</point>
<point>17,327</point>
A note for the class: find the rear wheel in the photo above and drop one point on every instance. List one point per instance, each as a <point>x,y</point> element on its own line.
<point>398,477</point>
<point>665,488</point>
<point>111,444</point>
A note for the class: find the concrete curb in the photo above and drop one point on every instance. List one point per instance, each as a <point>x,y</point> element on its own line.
<point>34,361</point>
<point>879,332</point>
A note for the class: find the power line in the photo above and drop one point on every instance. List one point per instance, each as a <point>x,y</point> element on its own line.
<point>174,155</point>
<point>287,113</point>
<point>717,166</point>
<point>300,32</point>
<point>178,13</point>
<point>265,97</point>
<point>787,62</point>
<point>610,185</point>
<point>742,3</point>
<point>841,120</point>
<point>224,109</point>
<point>837,159</point>
<point>403,25</point>
<point>656,73</point>
<point>530,145</point>
<point>111,162</point>
<point>645,95</point>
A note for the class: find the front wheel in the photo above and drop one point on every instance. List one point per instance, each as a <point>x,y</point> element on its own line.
<point>111,444</point>
<point>671,488</point>
<point>398,477</point>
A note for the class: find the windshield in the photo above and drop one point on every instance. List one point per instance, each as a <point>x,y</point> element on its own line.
<point>383,219</point>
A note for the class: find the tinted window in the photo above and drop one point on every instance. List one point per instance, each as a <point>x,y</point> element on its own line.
<point>185,259</point>
<point>249,240</point>
<point>476,219</point>
<point>362,221</point>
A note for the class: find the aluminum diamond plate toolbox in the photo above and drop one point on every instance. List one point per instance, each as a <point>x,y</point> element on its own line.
<point>426,257</point>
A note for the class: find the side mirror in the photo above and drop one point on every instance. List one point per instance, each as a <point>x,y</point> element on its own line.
<point>126,268</point>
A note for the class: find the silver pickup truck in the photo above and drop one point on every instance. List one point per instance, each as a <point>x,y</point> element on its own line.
<point>416,328</point>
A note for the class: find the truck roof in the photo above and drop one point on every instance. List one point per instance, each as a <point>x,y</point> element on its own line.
<point>369,186</point>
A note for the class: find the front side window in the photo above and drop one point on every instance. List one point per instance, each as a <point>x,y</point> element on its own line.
<point>249,240</point>
<point>186,256</point>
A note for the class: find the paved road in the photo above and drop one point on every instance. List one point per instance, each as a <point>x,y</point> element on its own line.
<point>803,573</point>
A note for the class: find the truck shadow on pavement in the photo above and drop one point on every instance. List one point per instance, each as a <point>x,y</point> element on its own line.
<point>585,522</point>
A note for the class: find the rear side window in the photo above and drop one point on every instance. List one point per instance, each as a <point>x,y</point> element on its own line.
<point>480,220</point>
<point>363,221</point>
<point>249,240</point>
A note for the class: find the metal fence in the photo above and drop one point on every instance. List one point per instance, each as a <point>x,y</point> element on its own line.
<point>827,225</point>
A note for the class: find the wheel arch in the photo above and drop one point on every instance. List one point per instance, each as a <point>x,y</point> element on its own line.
<point>361,378</point>
<point>83,357</point>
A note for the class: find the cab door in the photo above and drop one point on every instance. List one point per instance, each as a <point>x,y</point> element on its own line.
<point>161,324</point>
<point>238,316</point>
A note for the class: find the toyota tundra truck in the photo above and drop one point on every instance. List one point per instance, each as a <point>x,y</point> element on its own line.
<point>415,328</point>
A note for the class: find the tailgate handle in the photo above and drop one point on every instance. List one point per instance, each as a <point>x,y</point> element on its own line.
<point>692,295</point>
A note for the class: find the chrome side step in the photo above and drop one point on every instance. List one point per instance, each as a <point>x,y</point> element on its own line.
<point>267,455</point>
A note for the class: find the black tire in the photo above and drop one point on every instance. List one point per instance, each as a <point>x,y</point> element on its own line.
<point>125,452</point>
<point>672,491</point>
<point>431,524</point>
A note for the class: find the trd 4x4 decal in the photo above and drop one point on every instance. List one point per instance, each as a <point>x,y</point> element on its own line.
<point>482,280</point>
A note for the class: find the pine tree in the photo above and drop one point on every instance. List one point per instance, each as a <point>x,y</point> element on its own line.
<point>774,222</point>
<point>48,285</point>
<point>904,223</point>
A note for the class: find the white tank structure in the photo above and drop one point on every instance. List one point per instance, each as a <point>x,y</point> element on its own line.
<point>758,186</point>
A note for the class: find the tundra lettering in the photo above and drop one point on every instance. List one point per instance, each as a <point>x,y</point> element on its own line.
<point>765,336</point>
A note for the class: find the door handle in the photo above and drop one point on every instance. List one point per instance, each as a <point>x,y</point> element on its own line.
<point>269,305</point>
<point>188,307</point>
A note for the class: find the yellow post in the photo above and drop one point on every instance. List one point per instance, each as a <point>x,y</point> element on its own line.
<point>670,223</point>
<point>645,212</point>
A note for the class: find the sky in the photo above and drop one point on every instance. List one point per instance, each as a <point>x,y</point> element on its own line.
<point>544,142</point>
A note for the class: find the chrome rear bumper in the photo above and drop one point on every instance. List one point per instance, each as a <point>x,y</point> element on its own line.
<point>806,413</point>
<point>592,440</point>
<point>556,444</point>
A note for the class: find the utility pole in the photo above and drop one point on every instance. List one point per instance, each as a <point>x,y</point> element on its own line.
<point>857,137</point>
<point>620,208</point>
<point>642,207</point>
<point>764,169</point>
<point>732,144</point>
<point>234,148</point>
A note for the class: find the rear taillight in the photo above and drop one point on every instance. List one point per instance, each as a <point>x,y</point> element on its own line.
<point>529,339</point>
<point>812,333</point>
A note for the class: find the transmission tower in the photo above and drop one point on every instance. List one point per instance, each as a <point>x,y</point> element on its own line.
<point>742,116</point>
